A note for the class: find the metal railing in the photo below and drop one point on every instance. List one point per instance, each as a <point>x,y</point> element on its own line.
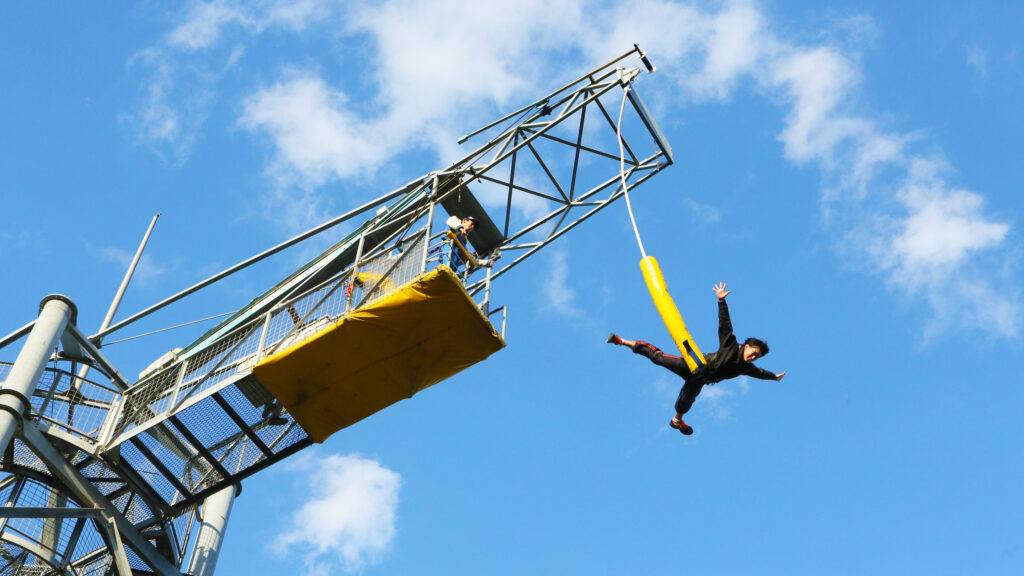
<point>184,382</point>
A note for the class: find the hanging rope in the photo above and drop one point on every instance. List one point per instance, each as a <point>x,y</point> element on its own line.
<point>622,171</point>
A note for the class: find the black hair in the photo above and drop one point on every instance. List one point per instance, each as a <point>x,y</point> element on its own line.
<point>761,344</point>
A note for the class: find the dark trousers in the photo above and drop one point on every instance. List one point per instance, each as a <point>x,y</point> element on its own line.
<point>693,384</point>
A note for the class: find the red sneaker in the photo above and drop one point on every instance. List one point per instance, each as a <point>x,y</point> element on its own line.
<point>683,427</point>
<point>613,338</point>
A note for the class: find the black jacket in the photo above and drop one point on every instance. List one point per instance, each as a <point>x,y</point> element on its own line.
<point>728,362</point>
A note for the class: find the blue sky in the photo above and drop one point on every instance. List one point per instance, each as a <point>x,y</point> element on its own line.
<point>853,173</point>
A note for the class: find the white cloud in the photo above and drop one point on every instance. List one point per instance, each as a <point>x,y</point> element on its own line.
<point>297,15</point>
<point>977,60</point>
<point>666,388</point>
<point>703,213</point>
<point>173,107</point>
<point>203,24</point>
<point>816,81</point>
<point>943,227</point>
<point>732,47</point>
<point>431,62</point>
<point>435,59</point>
<point>558,295</point>
<point>180,74</point>
<point>147,272</point>
<point>936,249</point>
<point>316,137</point>
<point>717,400</point>
<point>349,520</point>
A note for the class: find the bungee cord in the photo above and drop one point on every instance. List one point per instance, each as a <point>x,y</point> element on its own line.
<point>622,171</point>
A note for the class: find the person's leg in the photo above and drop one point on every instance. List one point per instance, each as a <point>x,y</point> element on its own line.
<point>446,254</point>
<point>687,395</point>
<point>450,256</point>
<point>614,338</point>
<point>674,363</point>
<point>690,390</point>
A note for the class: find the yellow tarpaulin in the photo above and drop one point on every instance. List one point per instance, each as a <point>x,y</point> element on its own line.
<point>408,340</point>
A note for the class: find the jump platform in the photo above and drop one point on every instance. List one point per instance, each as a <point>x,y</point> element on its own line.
<point>377,355</point>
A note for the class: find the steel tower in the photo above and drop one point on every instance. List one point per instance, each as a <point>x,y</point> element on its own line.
<point>102,474</point>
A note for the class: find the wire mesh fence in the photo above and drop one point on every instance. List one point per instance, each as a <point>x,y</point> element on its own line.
<point>13,559</point>
<point>54,539</point>
<point>77,405</point>
<point>174,387</point>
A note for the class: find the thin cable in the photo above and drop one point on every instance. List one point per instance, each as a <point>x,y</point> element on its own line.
<point>622,173</point>
<point>166,329</point>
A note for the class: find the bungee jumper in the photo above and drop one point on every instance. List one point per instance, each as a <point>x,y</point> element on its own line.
<point>732,359</point>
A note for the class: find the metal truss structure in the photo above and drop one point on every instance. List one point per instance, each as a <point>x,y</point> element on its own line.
<point>106,475</point>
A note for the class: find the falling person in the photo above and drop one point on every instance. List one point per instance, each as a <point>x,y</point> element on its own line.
<point>731,360</point>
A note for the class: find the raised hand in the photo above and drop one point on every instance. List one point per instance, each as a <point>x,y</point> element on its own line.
<point>720,291</point>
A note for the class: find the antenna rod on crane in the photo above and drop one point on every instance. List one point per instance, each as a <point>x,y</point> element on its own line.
<point>246,263</point>
<point>84,371</point>
<point>127,277</point>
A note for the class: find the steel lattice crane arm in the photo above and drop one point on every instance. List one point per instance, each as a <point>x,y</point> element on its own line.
<point>141,455</point>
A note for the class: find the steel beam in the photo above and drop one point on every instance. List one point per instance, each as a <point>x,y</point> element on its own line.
<point>88,495</point>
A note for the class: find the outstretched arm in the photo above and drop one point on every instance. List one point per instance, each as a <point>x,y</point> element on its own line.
<point>762,374</point>
<point>725,336</point>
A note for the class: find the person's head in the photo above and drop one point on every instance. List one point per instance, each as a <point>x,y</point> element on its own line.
<point>753,349</point>
<point>468,223</point>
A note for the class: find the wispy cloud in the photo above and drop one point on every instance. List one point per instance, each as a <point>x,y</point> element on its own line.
<point>349,520</point>
<point>558,295</point>
<point>704,213</point>
<point>718,400</point>
<point>977,61</point>
<point>163,120</point>
<point>715,401</point>
<point>147,273</point>
<point>180,74</point>
<point>203,24</point>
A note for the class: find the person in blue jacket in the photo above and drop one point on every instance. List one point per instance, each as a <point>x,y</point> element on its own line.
<point>461,227</point>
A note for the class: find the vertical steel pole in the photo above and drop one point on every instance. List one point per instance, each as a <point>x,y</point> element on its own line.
<point>487,291</point>
<point>355,274</point>
<point>55,312</point>
<point>263,336</point>
<point>430,223</point>
<point>216,511</point>
<point>426,238</point>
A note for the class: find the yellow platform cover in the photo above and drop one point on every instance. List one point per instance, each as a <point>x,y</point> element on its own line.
<point>410,339</point>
